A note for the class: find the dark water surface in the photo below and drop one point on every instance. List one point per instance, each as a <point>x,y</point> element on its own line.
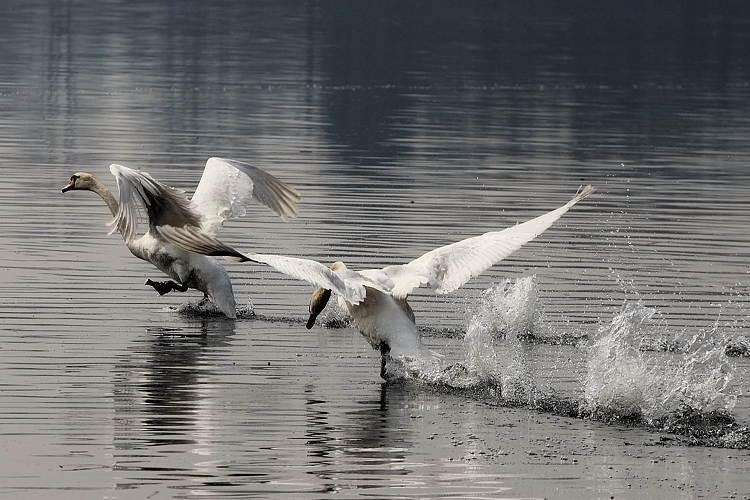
<point>406,126</point>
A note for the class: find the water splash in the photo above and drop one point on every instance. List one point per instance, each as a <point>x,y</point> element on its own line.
<point>635,370</point>
<point>615,368</point>
<point>202,308</point>
<point>333,317</point>
<point>509,310</point>
<point>512,308</point>
<point>626,382</point>
<point>479,368</point>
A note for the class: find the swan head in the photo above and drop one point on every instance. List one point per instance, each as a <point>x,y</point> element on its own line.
<point>318,302</point>
<point>321,296</point>
<point>80,180</point>
<point>337,267</point>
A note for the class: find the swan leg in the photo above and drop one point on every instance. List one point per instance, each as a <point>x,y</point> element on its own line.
<point>384,352</point>
<point>164,287</point>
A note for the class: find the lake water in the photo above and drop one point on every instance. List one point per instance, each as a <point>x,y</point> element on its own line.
<point>606,359</point>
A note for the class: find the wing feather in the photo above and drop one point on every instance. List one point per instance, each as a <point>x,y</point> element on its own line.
<point>192,239</point>
<point>228,186</point>
<point>164,205</point>
<point>448,268</point>
<point>349,284</point>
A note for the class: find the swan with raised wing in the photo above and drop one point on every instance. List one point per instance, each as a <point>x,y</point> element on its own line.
<point>375,300</point>
<point>225,191</point>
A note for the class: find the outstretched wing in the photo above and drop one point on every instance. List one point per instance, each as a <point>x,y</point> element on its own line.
<point>349,284</point>
<point>163,204</point>
<point>228,186</point>
<point>448,268</point>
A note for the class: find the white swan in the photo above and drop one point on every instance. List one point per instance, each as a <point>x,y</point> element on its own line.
<point>224,191</point>
<point>375,300</point>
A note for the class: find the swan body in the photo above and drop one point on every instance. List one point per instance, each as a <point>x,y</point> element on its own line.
<point>375,300</point>
<point>199,272</point>
<point>386,322</point>
<point>225,191</point>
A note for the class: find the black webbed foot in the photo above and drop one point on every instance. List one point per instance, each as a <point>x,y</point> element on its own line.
<point>160,286</point>
<point>384,352</point>
<point>164,287</point>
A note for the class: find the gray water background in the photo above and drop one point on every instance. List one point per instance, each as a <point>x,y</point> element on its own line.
<point>405,126</point>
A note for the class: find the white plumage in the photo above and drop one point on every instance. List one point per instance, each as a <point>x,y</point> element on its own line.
<point>375,299</point>
<point>225,191</point>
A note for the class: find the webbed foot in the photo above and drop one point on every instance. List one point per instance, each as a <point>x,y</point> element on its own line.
<point>384,352</point>
<point>164,287</point>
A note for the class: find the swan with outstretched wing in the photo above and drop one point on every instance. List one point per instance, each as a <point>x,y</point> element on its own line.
<point>226,190</point>
<point>375,300</point>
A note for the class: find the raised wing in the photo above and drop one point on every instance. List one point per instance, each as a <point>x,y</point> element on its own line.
<point>228,186</point>
<point>192,239</point>
<point>163,204</point>
<point>448,268</point>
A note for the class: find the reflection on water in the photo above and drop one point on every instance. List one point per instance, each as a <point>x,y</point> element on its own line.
<point>406,126</point>
<point>367,443</point>
<point>159,402</point>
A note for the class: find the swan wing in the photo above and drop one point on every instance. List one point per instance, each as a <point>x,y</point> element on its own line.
<point>164,205</point>
<point>192,239</point>
<point>448,268</point>
<point>227,187</point>
<point>348,284</point>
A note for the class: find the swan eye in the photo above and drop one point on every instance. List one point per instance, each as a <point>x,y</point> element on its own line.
<point>72,184</point>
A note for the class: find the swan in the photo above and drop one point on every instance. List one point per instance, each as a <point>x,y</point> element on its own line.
<point>224,191</point>
<point>375,300</point>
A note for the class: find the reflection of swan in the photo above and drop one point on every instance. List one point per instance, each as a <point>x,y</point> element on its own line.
<point>375,300</point>
<point>225,190</point>
<point>166,391</point>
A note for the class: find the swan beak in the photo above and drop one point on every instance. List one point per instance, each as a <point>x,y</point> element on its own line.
<point>318,302</point>
<point>72,184</point>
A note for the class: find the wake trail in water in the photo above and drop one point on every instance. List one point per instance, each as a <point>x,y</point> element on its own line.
<point>635,371</point>
<point>686,387</point>
<point>206,309</point>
